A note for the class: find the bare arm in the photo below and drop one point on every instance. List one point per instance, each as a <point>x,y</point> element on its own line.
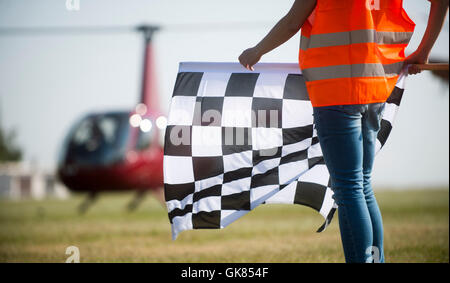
<point>438,12</point>
<point>286,28</point>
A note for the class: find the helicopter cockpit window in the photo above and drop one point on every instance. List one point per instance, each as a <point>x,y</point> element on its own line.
<point>144,137</point>
<point>82,134</point>
<point>92,134</point>
<point>99,139</point>
<point>108,127</point>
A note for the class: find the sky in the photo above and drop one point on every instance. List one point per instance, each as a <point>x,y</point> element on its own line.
<point>47,82</point>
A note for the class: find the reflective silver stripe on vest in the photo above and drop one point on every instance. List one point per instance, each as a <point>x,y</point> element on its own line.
<point>352,71</point>
<point>353,37</point>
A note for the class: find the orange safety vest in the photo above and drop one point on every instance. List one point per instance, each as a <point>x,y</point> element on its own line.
<point>352,51</point>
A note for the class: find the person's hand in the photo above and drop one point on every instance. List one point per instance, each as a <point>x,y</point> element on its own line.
<point>249,58</point>
<point>418,57</point>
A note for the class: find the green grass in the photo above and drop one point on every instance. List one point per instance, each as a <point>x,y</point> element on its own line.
<point>416,230</point>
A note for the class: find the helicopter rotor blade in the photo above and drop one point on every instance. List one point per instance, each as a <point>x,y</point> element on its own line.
<point>95,30</point>
<point>218,26</point>
<point>65,30</point>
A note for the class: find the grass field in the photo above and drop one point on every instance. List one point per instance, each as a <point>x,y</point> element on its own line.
<point>416,230</point>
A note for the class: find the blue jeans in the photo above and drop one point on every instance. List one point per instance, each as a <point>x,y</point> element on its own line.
<point>347,135</point>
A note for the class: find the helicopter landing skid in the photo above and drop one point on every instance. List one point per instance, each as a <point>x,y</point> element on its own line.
<point>84,206</point>
<point>136,201</point>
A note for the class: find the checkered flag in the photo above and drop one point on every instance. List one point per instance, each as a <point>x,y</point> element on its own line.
<point>237,139</point>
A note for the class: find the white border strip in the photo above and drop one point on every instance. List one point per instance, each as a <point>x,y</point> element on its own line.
<point>288,68</point>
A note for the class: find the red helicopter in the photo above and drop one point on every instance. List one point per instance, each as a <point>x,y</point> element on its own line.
<point>118,151</point>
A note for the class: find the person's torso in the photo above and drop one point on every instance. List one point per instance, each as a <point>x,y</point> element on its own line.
<point>352,51</point>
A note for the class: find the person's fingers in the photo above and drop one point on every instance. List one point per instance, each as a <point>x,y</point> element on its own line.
<point>247,61</point>
<point>418,70</point>
<point>243,63</point>
<point>412,70</point>
<point>243,59</point>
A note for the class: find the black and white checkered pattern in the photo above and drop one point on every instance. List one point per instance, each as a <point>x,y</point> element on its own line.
<point>237,139</point>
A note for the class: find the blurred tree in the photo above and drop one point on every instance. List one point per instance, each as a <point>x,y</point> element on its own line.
<point>8,151</point>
